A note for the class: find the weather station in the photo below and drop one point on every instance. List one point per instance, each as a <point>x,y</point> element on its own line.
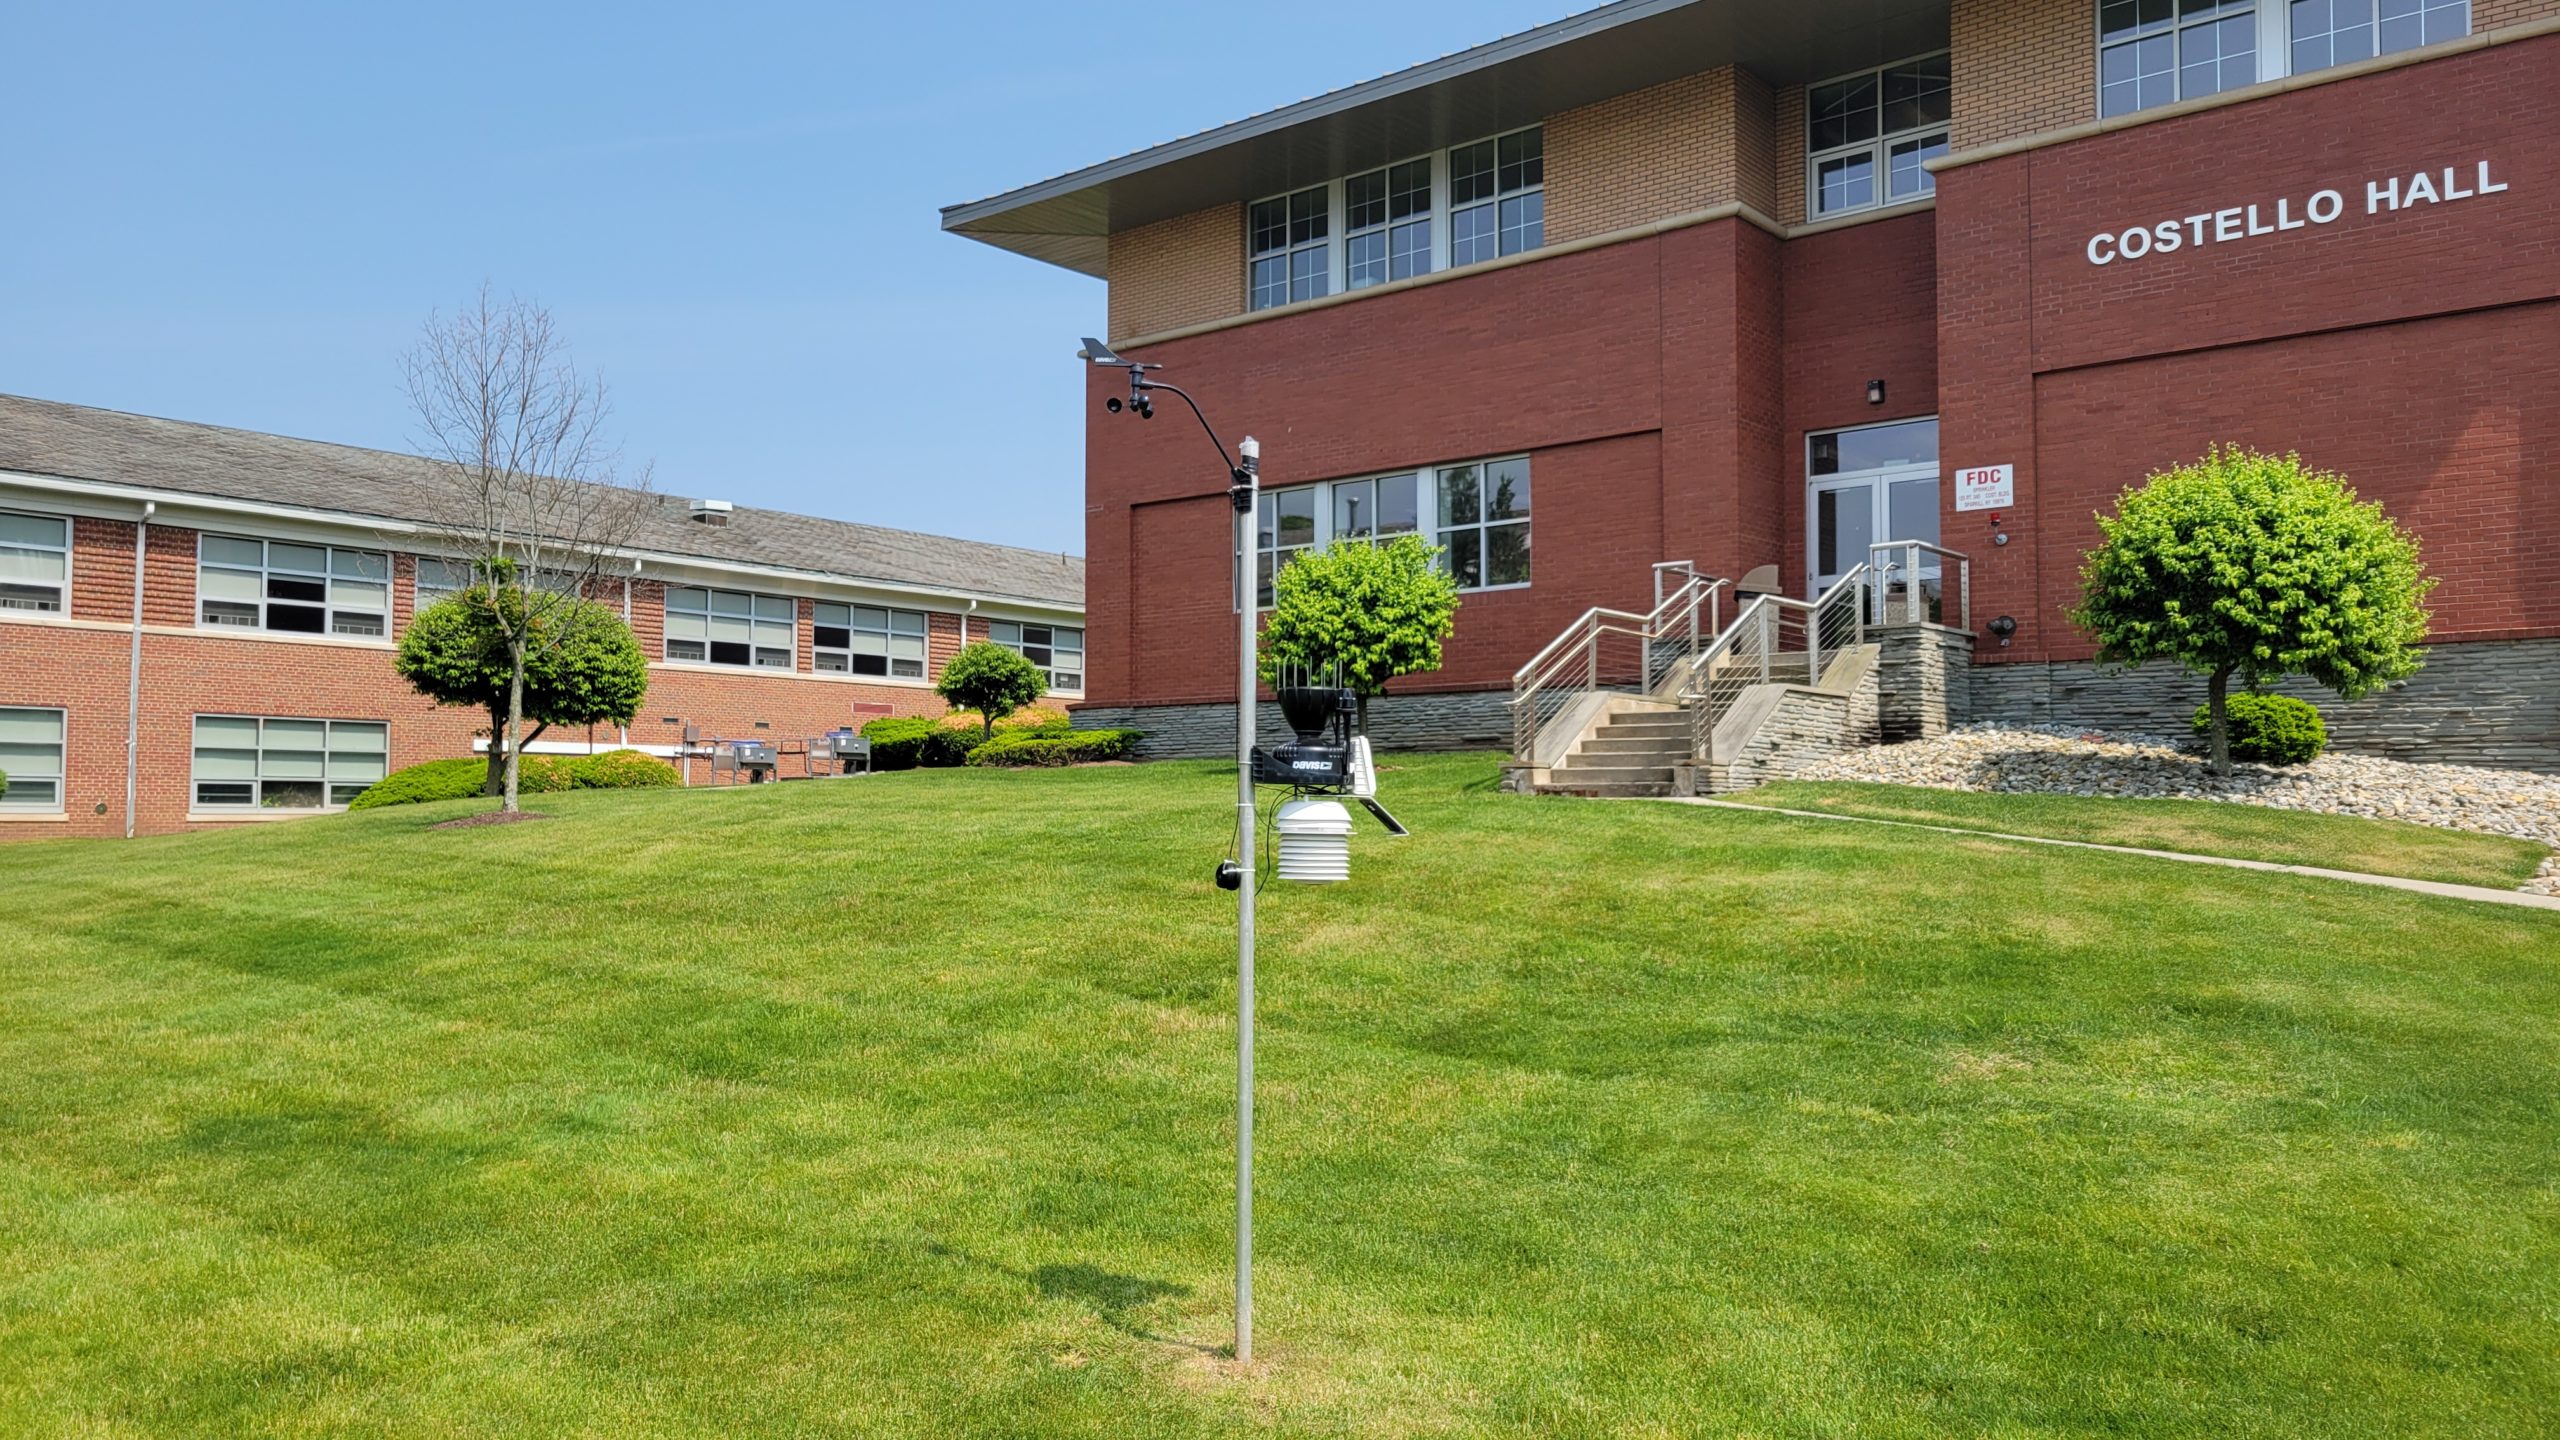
<point>1324,763</point>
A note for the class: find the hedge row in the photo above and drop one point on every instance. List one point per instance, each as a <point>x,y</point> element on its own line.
<point>1072,748</point>
<point>912,742</point>
<point>537,775</point>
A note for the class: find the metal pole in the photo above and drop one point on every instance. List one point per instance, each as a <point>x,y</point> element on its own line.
<point>1247,628</point>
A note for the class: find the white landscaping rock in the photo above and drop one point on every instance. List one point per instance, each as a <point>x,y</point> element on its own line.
<point>2053,761</point>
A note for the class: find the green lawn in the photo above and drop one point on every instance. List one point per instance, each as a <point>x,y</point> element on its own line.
<point>902,1107</point>
<point>2197,827</point>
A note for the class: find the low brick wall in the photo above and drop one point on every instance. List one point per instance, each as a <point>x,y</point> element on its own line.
<point>2493,703</point>
<point>1475,720</point>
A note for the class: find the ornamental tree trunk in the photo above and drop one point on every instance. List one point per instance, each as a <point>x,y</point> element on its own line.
<point>515,725</point>
<point>2216,691</point>
<point>496,784</point>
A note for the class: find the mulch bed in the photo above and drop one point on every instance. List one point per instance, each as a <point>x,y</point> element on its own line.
<point>492,817</point>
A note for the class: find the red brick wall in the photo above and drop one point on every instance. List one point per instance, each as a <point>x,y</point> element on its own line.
<point>1562,359</point>
<point>102,570</point>
<point>2411,350</point>
<point>81,666</point>
<point>1861,305</point>
<point>1661,386</point>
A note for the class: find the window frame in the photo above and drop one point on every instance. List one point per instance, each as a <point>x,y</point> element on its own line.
<point>888,631</point>
<point>668,639</point>
<point>61,776</point>
<point>267,572</point>
<point>2275,41</point>
<point>2373,28</point>
<point>62,589</point>
<point>257,781</point>
<point>1441,216</point>
<point>1878,148</point>
<point>1427,481</point>
<point>1022,645</point>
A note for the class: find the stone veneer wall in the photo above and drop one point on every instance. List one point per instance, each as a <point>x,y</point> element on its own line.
<point>1807,726</point>
<point>1924,680</point>
<point>1474,720</point>
<point>2494,703</point>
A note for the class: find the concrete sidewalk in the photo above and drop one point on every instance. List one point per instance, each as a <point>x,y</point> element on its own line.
<point>2481,893</point>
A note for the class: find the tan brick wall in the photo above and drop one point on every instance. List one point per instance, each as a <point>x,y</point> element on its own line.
<point>2498,14</point>
<point>2021,66</point>
<point>1790,156</point>
<point>1664,150</point>
<point>1178,272</point>
<point>1755,143</point>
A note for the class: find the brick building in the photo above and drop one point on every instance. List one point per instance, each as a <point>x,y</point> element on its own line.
<point>1750,285</point>
<point>246,674</point>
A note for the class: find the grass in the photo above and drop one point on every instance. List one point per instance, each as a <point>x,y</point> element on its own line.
<point>2195,827</point>
<point>902,1107</point>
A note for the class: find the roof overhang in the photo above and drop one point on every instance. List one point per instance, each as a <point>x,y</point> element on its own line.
<point>1515,81</point>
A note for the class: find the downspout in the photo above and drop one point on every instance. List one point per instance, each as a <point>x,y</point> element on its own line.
<point>133,677</point>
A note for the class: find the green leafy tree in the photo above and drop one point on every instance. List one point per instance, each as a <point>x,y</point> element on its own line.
<point>1376,611</point>
<point>2256,567</point>
<point>994,681</point>
<point>457,652</point>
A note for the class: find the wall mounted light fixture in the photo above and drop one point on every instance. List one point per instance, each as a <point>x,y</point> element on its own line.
<point>1875,392</point>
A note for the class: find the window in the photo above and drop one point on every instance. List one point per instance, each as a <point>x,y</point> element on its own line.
<point>1478,513</point>
<point>1387,224</point>
<point>1291,260</point>
<point>35,562</point>
<point>1493,192</point>
<point>1484,523</point>
<point>439,578</point>
<point>1867,136</point>
<point>1497,197</point>
<point>730,627</point>
<point>868,640</point>
<point>2336,32</point>
<point>31,756</point>
<point>1057,649</point>
<point>243,762</point>
<point>292,589</point>
<point>2154,52</point>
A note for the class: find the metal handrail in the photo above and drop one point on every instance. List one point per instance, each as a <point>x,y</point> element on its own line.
<point>1667,634</point>
<point>1751,651</point>
<point>1903,556</point>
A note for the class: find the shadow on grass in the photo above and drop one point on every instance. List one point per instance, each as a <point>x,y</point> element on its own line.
<point>1114,1298</point>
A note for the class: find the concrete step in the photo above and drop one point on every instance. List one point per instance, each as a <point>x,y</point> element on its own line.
<point>1606,743</point>
<point>1581,774</point>
<point>1621,729</point>
<point>1607,789</point>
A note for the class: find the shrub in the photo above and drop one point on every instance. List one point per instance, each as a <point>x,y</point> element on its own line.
<point>1031,719</point>
<point>435,780</point>
<point>621,770</point>
<point>1080,747</point>
<point>909,742</point>
<point>2270,729</point>
<point>994,681</point>
<point>540,775</point>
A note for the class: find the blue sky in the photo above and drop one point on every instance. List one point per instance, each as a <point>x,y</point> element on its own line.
<point>243,214</point>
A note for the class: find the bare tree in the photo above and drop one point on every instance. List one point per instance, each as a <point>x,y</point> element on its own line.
<point>524,484</point>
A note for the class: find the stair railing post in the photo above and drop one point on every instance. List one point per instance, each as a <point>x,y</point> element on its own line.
<point>1768,637</point>
<point>1917,613</point>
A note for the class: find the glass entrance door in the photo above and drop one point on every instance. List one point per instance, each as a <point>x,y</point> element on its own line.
<point>1877,482</point>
